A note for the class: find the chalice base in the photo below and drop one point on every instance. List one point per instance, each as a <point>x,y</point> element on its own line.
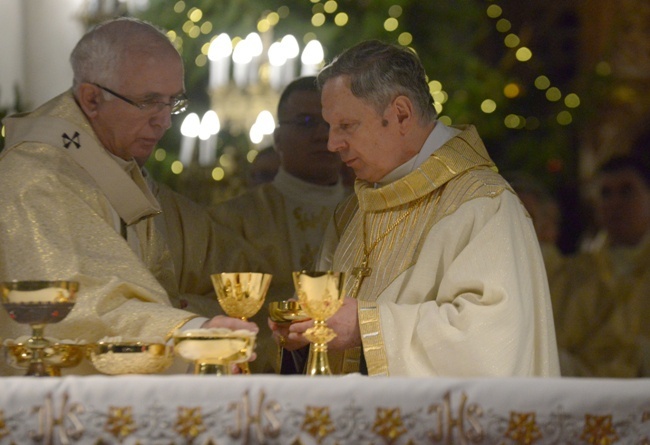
<point>317,362</point>
<point>212,369</point>
<point>38,369</point>
<point>319,336</point>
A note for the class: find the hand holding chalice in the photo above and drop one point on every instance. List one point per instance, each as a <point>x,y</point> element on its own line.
<point>320,294</point>
<point>241,295</point>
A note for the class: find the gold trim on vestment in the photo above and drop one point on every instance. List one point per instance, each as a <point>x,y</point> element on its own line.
<point>69,131</point>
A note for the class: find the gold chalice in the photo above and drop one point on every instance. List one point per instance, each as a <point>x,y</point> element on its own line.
<point>320,294</point>
<point>214,350</point>
<point>38,303</point>
<point>130,357</point>
<point>56,356</point>
<point>285,312</point>
<point>241,295</point>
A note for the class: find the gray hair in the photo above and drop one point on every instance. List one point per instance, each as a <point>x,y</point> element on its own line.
<point>379,72</point>
<point>99,55</point>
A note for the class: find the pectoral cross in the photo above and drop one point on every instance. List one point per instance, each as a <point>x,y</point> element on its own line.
<point>360,273</point>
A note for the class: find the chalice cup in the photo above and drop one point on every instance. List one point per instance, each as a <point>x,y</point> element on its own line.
<point>38,303</point>
<point>321,295</point>
<point>214,350</point>
<point>241,295</point>
<point>285,312</point>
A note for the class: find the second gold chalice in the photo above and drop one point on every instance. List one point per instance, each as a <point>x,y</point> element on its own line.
<point>320,294</point>
<point>241,295</point>
<point>38,303</point>
<point>285,312</point>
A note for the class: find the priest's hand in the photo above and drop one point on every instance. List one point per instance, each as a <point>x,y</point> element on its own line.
<point>288,339</point>
<point>345,323</point>
<point>222,321</point>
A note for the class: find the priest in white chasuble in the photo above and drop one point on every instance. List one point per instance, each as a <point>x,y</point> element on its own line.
<point>75,203</point>
<point>446,277</point>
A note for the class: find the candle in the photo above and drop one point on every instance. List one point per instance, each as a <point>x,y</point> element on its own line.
<point>219,55</point>
<point>189,131</point>
<point>208,130</point>
<point>312,57</point>
<point>255,47</point>
<point>277,59</point>
<point>242,56</point>
<point>291,50</point>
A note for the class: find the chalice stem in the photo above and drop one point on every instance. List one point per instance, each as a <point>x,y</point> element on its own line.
<point>318,363</point>
<point>36,344</point>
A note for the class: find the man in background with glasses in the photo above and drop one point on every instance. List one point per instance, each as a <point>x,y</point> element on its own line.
<point>75,203</point>
<point>285,219</point>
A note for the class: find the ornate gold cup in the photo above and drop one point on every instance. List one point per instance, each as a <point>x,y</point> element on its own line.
<point>56,356</point>
<point>215,350</point>
<point>241,295</point>
<point>320,294</point>
<point>285,312</point>
<point>38,303</point>
<point>130,357</point>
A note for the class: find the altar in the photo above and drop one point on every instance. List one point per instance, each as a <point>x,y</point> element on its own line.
<point>353,409</point>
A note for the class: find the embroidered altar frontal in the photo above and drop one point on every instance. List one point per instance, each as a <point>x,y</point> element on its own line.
<point>322,410</point>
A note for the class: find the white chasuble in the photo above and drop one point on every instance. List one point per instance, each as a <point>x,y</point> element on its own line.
<point>456,285</point>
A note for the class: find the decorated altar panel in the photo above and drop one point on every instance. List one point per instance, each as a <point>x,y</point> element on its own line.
<point>353,409</point>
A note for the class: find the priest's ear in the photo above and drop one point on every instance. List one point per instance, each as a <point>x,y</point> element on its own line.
<point>89,98</point>
<point>404,112</point>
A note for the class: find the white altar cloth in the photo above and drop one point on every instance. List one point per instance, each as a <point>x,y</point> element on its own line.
<point>354,409</point>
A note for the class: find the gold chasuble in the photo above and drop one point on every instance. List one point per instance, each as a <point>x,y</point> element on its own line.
<point>447,270</point>
<point>601,301</point>
<point>71,212</point>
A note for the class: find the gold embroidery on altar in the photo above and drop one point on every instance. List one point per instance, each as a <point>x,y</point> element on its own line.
<point>64,426</point>
<point>523,428</point>
<point>189,422</point>
<point>599,430</point>
<point>318,422</point>
<point>262,420</point>
<point>120,423</point>
<point>388,424</point>
<point>447,423</point>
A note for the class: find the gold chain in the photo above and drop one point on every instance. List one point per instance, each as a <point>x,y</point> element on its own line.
<point>362,271</point>
<point>368,250</point>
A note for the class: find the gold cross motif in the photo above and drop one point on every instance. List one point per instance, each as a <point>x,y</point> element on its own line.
<point>360,272</point>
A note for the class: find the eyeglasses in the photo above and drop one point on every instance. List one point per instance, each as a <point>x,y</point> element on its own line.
<point>307,122</point>
<point>177,105</point>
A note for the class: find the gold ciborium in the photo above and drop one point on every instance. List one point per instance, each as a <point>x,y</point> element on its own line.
<point>241,295</point>
<point>320,294</point>
<point>214,350</point>
<point>38,303</point>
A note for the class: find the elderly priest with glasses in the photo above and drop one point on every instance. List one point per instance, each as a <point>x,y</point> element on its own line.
<point>75,205</point>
